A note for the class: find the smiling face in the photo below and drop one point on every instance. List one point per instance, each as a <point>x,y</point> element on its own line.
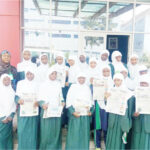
<point>133,60</point>
<point>106,72</point>
<point>82,58</point>
<point>118,58</point>
<point>53,76</point>
<point>6,58</point>
<point>30,76</point>
<point>117,82</point>
<point>27,55</point>
<point>71,62</point>
<point>6,81</point>
<point>81,80</point>
<point>44,59</point>
<point>104,57</point>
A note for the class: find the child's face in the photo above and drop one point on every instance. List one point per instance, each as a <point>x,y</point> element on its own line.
<point>133,61</point>
<point>93,64</point>
<point>117,82</point>
<point>82,58</point>
<point>44,59</point>
<point>6,58</point>
<point>81,80</point>
<point>144,84</point>
<point>104,57</point>
<point>59,60</point>
<point>118,58</point>
<point>53,76</point>
<point>6,81</point>
<point>71,62</point>
<point>124,73</point>
<point>30,76</point>
<point>26,55</point>
<point>106,72</point>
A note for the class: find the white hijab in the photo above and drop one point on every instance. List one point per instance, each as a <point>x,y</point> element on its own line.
<point>23,66</point>
<point>42,70</point>
<point>79,91</point>
<point>133,69</point>
<point>115,63</point>
<point>25,86</point>
<point>73,70</point>
<point>100,61</point>
<point>7,100</point>
<point>50,91</point>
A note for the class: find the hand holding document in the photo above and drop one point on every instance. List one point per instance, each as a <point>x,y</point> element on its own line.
<point>28,108</point>
<point>143,100</point>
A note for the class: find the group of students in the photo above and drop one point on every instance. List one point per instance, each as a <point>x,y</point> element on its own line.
<point>71,86</point>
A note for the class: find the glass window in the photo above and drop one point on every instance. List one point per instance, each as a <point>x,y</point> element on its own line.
<point>120,17</point>
<point>93,15</point>
<point>142,18</point>
<point>147,1</point>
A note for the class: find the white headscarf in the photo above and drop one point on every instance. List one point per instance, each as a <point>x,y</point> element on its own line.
<point>119,76</point>
<point>23,66</point>
<point>79,91</point>
<point>42,70</point>
<point>25,86</point>
<point>7,100</point>
<point>73,70</point>
<point>50,91</point>
<point>133,69</point>
<point>115,63</point>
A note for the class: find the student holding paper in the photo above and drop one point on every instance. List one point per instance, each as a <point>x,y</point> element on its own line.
<point>101,116</point>
<point>26,99</point>
<point>79,104</point>
<point>119,106</point>
<point>7,111</point>
<point>141,120</point>
<point>51,102</point>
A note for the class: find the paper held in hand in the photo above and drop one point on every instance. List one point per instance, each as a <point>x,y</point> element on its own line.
<point>28,108</point>
<point>61,77</point>
<point>117,102</point>
<point>99,89</point>
<point>53,111</point>
<point>143,100</point>
<point>82,107</point>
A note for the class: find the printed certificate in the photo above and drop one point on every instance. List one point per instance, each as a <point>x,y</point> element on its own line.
<point>28,108</point>
<point>143,100</point>
<point>117,102</point>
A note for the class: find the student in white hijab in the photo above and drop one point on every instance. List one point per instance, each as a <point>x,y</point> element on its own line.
<point>7,111</point>
<point>79,104</point>
<point>50,97</point>
<point>117,61</point>
<point>130,84</point>
<point>27,126</point>
<point>73,69</point>
<point>42,69</point>
<point>101,116</point>
<point>23,66</point>
<point>92,71</point>
<point>119,125</point>
<point>141,128</point>
<point>133,66</point>
<point>103,59</point>
<point>83,66</point>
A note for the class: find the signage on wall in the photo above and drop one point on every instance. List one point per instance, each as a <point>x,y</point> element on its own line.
<point>113,43</point>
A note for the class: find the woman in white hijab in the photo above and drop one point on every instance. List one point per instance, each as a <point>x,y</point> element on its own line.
<point>42,69</point>
<point>51,103</point>
<point>23,66</point>
<point>119,125</point>
<point>117,61</point>
<point>27,124</point>
<point>101,116</point>
<point>73,69</point>
<point>79,104</point>
<point>7,111</point>
<point>92,71</point>
<point>141,122</point>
